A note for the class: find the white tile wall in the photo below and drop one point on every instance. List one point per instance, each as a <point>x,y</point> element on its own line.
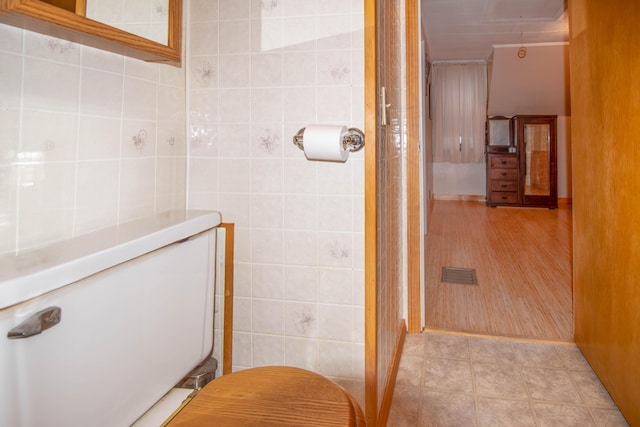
<point>108,141</point>
<point>259,70</point>
<point>88,139</point>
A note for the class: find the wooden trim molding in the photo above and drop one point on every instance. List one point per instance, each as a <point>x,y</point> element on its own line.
<point>370,220</point>
<point>390,384</point>
<point>414,233</point>
<point>227,346</point>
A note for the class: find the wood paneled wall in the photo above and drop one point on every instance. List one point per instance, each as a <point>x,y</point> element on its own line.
<point>605,98</point>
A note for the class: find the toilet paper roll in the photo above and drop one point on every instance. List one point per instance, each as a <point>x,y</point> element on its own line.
<point>324,142</point>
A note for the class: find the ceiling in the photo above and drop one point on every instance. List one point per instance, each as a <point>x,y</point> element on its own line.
<point>468,29</point>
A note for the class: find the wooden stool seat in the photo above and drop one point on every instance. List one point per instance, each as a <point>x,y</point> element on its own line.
<point>271,396</point>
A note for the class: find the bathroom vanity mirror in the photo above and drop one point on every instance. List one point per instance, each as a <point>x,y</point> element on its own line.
<point>147,29</point>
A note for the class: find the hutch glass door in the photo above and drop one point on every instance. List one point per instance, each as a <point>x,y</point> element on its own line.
<point>537,161</point>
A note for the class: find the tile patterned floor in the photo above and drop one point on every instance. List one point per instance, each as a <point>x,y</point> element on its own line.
<point>448,379</point>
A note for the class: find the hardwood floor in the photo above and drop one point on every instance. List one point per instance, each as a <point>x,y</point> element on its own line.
<point>522,258</point>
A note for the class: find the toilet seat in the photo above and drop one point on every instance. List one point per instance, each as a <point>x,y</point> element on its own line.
<point>271,396</point>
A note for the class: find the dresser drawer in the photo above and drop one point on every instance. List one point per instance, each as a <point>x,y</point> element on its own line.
<point>503,197</point>
<point>505,162</point>
<point>497,185</point>
<point>503,174</point>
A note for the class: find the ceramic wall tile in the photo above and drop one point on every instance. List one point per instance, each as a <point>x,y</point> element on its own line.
<point>266,70</point>
<point>335,213</point>
<point>299,235</point>
<point>267,210</point>
<point>101,60</point>
<point>140,99</point>
<point>266,175</point>
<point>237,106</point>
<point>334,32</point>
<point>234,71</point>
<point>267,246</point>
<point>266,105</point>
<point>301,212</point>
<point>39,93</point>
<point>267,281</point>
<point>268,316</point>
<point>96,195</point>
<point>301,283</point>
<point>266,139</point>
<point>301,353</point>
<point>10,80</point>
<point>52,134</point>
<point>301,319</point>
<point>261,9</point>
<point>237,139</point>
<point>300,68</point>
<point>336,359</point>
<point>300,33</point>
<point>234,37</point>
<point>137,188</point>
<point>203,10</point>
<point>268,350</point>
<point>235,176</point>
<point>300,104</point>
<point>301,248</point>
<point>11,39</point>
<point>335,286</point>
<point>300,7</point>
<point>267,35</point>
<point>101,93</point>
<point>236,207</point>
<point>234,9</point>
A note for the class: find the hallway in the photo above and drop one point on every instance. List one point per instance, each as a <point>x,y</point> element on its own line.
<point>522,258</point>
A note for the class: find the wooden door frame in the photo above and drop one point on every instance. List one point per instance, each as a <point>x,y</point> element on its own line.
<point>414,229</point>
<point>370,213</point>
<point>414,232</point>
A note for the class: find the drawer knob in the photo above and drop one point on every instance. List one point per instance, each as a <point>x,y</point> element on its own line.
<point>504,186</point>
<point>504,197</point>
<point>504,162</point>
<point>503,174</point>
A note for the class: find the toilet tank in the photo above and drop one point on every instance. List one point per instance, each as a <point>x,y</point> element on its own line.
<point>135,316</point>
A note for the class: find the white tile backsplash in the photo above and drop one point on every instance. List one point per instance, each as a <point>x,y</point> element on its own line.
<point>234,36</point>
<point>79,137</point>
<point>301,283</point>
<point>203,10</point>
<point>302,353</point>
<point>38,92</point>
<point>126,146</point>
<point>50,133</point>
<point>268,316</point>
<point>299,223</point>
<point>101,93</point>
<point>267,281</point>
<point>266,70</point>
<point>234,71</point>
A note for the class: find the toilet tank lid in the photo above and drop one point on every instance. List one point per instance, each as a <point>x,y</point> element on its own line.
<point>35,272</point>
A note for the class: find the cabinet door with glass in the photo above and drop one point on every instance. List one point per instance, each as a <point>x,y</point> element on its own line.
<point>536,140</point>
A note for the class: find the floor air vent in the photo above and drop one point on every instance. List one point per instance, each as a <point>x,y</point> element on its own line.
<point>460,276</point>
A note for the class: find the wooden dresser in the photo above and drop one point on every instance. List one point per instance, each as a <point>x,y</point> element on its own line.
<point>502,179</point>
<point>521,161</point>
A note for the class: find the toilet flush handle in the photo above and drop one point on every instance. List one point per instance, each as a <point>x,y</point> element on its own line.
<point>36,323</point>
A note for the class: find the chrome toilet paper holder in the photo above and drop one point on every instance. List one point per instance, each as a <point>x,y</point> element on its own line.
<point>352,141</point>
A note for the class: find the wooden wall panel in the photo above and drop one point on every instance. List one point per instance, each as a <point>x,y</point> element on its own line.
<point>414,231</point>
<point>605,94</point>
